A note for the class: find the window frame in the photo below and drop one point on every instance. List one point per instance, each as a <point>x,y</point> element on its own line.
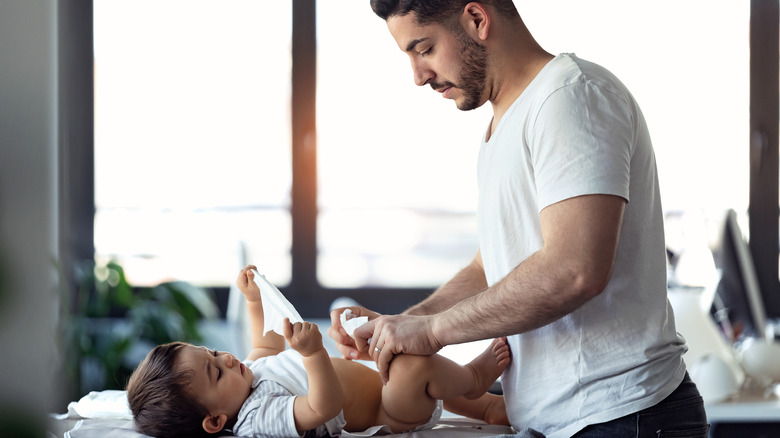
<point>763,148</point>
<point>76,139</point>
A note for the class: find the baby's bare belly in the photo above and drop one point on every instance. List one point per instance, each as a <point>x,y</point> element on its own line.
<point>362,390</point>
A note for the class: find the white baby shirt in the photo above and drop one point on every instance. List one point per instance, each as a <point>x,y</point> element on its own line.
<point>268,411</point>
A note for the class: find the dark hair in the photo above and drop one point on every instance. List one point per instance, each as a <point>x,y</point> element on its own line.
<point>158,397</point>
<point>436,11</point>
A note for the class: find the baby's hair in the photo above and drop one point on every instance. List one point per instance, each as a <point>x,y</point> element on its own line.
<point>161,404</point>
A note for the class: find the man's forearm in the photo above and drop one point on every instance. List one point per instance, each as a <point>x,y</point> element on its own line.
<point>466,283</point>
<point>573,265</point>
<point>536,293</point>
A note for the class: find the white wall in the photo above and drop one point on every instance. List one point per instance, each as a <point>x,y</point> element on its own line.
<point>28,207</point>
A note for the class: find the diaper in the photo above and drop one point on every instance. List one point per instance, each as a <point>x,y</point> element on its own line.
<point>336,425</point>
<point>435,416</point>
<point>384,429</point>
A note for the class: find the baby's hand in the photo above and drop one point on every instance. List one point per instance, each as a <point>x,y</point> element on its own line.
<point>247,285</point>
<point>303,337</point>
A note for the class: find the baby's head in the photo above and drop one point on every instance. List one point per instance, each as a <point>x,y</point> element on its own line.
<point>184,390</point>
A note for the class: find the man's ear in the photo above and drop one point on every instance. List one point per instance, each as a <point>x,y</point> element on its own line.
<point>214,423</point>
<point>476,20</point>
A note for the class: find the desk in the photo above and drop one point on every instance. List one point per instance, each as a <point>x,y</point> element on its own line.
<point>749,407</point>
<point>745,415</point>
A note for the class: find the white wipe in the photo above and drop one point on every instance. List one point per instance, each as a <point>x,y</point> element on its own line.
<point>351,322</point>
<point>275,306</point>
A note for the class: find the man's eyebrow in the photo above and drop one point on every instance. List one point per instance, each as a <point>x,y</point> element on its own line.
<point>414,43</point>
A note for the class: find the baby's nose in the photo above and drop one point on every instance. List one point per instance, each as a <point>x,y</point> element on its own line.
<point>229,360</point>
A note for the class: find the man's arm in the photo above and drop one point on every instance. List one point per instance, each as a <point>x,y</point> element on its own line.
<point>574,265</point>
<point>262,346</point>
<point>466,283</point>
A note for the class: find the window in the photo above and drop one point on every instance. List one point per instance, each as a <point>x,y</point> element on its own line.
<point>192,135</point>
<point>386,192</point>
<point>397,170</point>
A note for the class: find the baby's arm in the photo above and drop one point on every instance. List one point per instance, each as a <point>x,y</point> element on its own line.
<point>325,398</point>
<point>262,346</point>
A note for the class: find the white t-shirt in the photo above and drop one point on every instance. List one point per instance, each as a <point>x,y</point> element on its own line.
<point>268,411</point>
<point>576,130</point>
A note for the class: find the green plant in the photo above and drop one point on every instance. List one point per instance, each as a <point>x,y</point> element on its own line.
<point>114,324</point>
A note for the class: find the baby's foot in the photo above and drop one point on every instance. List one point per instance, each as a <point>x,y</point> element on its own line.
<point>488,366</point>
<point>495,410</point>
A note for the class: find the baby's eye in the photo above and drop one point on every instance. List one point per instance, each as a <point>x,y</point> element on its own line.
<point>219,371</point>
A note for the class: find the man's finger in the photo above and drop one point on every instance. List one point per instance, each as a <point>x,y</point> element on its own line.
<point>348,352</point>
<point>338,334</point>
<point>335,320</point>
<point>365,331</point>
<point>333,332</point>
<point>383,364</point>
<point>361,345</point>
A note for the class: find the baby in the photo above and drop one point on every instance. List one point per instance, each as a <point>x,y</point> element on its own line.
<point>184,390</point>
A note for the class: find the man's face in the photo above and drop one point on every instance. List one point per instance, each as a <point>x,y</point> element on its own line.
<point>451,62</point>
<point>221,383</point>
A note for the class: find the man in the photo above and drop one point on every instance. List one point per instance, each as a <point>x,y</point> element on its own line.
<point>571,264</point>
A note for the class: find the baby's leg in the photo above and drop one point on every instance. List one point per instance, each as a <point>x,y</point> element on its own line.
<point>472,380</point>
<point>405,402</point>
<point>416,382</point>
<point>489,408</point>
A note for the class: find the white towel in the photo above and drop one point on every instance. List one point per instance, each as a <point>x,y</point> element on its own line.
<point>108,404</point>
<point>275,306</point>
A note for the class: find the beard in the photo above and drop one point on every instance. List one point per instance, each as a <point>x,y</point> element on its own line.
<point>473,71</point>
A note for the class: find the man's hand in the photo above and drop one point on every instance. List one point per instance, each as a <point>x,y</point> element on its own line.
<point>303,337</point>
<point>344,342</point>
<point>247,285</point>
<point>391,335</point>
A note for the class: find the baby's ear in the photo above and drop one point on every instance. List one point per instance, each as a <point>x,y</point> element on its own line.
<point>214,423</point>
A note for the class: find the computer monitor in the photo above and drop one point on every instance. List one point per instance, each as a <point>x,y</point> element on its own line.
<point>738,293</point>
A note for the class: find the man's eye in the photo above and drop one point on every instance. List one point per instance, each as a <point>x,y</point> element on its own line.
<point>427,52</point>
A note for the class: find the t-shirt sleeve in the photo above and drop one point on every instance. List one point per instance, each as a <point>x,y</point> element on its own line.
<point>581,143</point>
<point>268,413</point>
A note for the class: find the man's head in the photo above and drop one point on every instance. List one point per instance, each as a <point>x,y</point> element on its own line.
<point>444,41</point>
<point>436,11</point>
<point>187,391</point>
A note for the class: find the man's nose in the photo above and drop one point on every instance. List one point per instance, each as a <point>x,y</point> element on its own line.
<point>422,74</point>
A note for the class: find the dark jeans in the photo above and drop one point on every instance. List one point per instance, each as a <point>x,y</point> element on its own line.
<point>679,415</point>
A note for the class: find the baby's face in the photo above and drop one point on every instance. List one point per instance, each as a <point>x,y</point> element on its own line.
<point>221,383</point>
